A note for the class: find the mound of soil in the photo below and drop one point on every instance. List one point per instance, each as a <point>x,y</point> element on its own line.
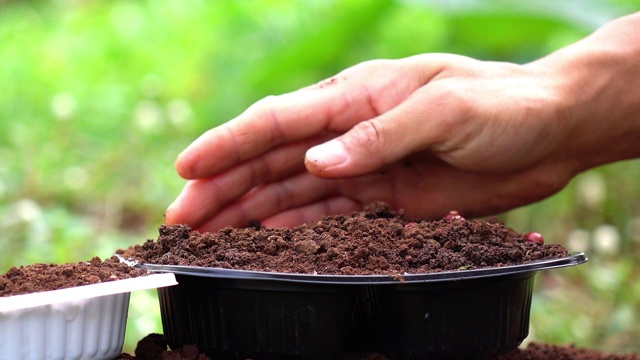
<point>154,347</point>
<point>45,277</point>
<point>376,241</point>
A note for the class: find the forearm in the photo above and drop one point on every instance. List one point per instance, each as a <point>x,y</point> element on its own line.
<point>598,80</point>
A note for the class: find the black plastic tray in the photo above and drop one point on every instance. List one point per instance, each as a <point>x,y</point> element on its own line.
<point>236,314</point>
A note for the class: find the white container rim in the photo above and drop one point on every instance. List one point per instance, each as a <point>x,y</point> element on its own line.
<point>146,282</point>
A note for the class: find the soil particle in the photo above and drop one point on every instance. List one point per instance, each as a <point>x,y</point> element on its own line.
<point>375,241</point>
<point>45,277</point>
<point>155,349</point>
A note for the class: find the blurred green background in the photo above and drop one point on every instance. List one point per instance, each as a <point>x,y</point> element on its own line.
<point>98,97</point>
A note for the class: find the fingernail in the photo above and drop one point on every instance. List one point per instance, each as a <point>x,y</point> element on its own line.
<point>329,154</point>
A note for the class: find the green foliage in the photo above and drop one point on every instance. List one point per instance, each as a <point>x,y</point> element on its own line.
<point>98,97</point>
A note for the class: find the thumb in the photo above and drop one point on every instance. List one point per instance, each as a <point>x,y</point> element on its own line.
<point>366,147</point>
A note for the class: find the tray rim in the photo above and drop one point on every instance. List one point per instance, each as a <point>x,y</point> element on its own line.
<point>85,292</point>
<point>574,258</point>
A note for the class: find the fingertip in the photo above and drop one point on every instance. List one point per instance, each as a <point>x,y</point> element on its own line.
<point>178,164</point>
<point>189,163</point>
<point>169,217</point>
<point>315,168</point>
<point>176,212</point>
<point>185,165</point>
<point>321,159</point>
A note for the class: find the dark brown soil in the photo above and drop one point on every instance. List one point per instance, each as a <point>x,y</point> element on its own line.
<point>537,351</point>
<point>374,241</point>
<point>153,347</point>
<point>46,277</point>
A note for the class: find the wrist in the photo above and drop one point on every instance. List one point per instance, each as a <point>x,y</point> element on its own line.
<point>597,82</point>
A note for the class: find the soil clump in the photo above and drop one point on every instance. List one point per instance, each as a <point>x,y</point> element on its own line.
<point>375,241</point>
<point>46,277</point>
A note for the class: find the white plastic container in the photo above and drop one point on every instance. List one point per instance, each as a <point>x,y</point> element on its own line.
<point>84,322</point>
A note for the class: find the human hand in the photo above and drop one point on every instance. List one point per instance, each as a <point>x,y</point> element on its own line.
<point>428,134</point>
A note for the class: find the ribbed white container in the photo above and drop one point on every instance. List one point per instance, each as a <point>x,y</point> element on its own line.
<point>85,322</point>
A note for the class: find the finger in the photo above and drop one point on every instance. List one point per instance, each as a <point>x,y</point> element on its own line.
<point>201,198</point>
<point>426,120</point>
<point>425,187</point>
<point>426,117</point>
<point>268,200</point>
<point>356,94</point>
<point>268,123</point>
<point>313,212</point>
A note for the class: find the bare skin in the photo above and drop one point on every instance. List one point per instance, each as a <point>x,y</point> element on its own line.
<point>429,134</point>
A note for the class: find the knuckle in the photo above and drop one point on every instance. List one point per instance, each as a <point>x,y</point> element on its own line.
<point>451,111</point>
<point>452,95</point>
<point>268,109</point>
<point>368,66</point>
<point>367,134</point>
<point>266,104</point>
<point>453,102</point>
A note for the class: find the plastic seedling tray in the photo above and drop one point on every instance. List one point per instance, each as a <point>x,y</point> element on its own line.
<point>83,322</point>
<point>236,314</point>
